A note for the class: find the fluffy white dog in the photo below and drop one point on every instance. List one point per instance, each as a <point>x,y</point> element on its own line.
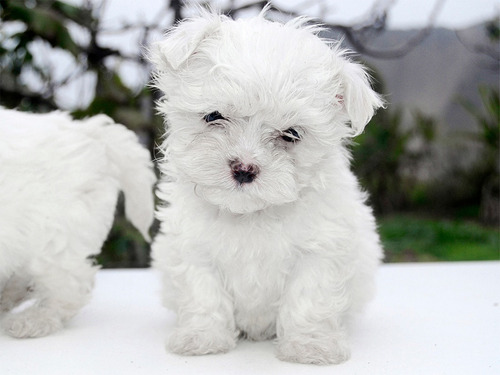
<point>59,183</point>
<point>266,232</point>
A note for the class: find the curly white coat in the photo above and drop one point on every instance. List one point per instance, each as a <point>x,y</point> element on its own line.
<point>293,253</point>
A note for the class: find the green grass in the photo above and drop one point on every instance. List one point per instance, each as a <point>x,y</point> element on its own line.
<point>409,238</point>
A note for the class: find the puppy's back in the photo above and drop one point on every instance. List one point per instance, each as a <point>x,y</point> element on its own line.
<point>60,175</point>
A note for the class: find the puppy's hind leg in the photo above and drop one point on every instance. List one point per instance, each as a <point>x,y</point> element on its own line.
<point>15,291</point>
<point>59,289</point>
<point>3,282</point>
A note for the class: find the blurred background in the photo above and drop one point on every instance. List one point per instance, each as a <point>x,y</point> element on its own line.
<point>430,161</point>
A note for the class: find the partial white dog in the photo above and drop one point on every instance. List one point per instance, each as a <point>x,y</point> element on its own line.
<point>59,183</point>
<point>266,232</point>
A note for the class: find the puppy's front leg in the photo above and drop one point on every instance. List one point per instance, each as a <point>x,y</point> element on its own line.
<point>205,320</point>
<point>310,325</point>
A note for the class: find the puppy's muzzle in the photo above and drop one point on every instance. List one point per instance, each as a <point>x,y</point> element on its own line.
<point>243,173</point>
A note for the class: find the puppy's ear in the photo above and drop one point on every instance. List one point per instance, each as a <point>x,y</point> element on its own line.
<point>358,99</point>
<point>182,41</point>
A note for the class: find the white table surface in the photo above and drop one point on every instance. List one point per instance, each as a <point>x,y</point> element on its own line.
<point>439,318</point>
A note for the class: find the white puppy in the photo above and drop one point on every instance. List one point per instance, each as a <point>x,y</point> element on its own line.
<point>59,183</point>
<point>266,232</point>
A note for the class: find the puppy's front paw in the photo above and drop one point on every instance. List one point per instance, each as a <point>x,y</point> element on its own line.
<point>197,342</point>
<point>304,349</point>
<point>30,323</point>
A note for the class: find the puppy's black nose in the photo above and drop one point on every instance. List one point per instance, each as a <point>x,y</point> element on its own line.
<point>243,173</point>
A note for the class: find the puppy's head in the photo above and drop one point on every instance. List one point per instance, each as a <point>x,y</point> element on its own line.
<point>256,109</point>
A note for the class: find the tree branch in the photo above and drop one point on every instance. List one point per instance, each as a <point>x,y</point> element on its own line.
<point>356,36</point>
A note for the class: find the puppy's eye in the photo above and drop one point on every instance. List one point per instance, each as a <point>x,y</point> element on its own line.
<point>213,116</point>
<point>290,135</point>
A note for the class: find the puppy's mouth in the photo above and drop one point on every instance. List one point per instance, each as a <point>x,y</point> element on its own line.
<point>241,199</point>
<point>244,197</point>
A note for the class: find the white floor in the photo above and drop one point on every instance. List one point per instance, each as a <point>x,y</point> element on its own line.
<point>434,318</point>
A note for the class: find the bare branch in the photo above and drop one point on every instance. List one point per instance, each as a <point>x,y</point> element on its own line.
<point>357,35</point>
<point>491,51</point>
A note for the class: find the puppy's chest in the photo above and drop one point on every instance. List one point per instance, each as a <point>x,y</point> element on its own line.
<point>255,266</point>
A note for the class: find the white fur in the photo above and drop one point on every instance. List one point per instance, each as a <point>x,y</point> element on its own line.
<point>59,182</point>
<point>292,254</point>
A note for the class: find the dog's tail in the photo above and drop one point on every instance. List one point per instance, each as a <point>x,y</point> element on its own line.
<point>134,169</point>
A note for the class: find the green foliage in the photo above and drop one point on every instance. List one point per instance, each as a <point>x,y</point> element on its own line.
<point>425,126</point>
<point>485,173</point>
<point>489,120</point>
<point>493,29</point>
<point>410,238</point>
<point>41,20</point>
<point>390,157</point>
<point>385,162</point>
<point>377,157</point>
<point>125,247</point>
<point>45,21</point>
